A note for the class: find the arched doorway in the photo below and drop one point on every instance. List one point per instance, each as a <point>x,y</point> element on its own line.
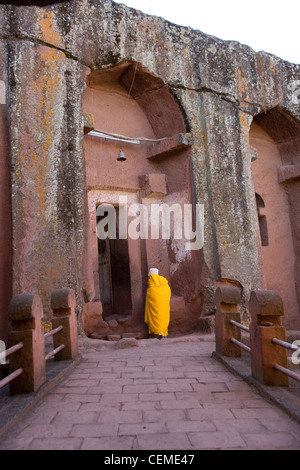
<point>276,138</point>
<point>133,112</point>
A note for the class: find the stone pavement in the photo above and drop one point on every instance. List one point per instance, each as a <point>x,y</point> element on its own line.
<point>152,395</point>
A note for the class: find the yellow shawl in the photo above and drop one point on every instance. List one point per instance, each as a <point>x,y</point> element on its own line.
<point>157,308</point>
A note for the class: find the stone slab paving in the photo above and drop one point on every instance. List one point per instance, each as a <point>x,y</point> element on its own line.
<point>153,395</point>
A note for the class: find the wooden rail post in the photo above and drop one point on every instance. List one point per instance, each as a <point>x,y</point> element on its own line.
<point>227,300</point>
<point>25,313</point>
<point>63,305</point>
<point>266,309</point>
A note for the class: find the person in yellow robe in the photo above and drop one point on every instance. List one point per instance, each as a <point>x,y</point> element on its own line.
<point>157,308</point>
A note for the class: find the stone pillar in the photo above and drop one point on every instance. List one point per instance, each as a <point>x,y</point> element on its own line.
<point>48,182</point>
<point>25,313</point>
<point>221,164</point>
<point>63,306</point>
<point>227,301</point>
<point>266,309</point>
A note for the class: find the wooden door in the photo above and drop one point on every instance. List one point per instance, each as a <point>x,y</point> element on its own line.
<point>105,281</point>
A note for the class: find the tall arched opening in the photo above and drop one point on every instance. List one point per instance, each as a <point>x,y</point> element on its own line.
<point>276,176</point>
<point>133,114</point>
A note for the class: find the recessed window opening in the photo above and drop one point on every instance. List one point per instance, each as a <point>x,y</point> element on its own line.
<point>262,220</point>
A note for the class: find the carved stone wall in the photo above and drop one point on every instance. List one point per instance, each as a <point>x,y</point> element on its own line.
<point>219,86</point>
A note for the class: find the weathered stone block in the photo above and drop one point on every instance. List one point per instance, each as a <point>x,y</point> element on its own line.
<point>227,301</point>
<point>207,324</point>
<point>288,172</point>
<point>89,123</point>
<point>25,313</point>
<point>63,306</point>
<point>153,185</point>
<point>169,146</point>
<point>265,354</point>
<point>113,337</point>
<point>91,316</point>
<point>266,309</point>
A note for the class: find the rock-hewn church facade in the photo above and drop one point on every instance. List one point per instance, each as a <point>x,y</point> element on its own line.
<point>202,123</point>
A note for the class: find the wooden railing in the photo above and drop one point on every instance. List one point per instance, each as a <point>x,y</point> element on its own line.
<point>27,363</point>
<point>268,345</point>
<point>16,373</point>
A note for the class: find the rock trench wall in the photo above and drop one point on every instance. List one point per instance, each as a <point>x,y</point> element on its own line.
<point>46,53</point>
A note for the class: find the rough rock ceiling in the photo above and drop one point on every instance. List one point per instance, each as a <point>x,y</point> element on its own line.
<point>39,3</point>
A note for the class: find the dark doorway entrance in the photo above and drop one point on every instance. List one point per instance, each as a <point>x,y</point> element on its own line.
<point>114,275</point>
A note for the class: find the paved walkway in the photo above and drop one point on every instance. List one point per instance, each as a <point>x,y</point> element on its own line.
<point>160,395</point>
